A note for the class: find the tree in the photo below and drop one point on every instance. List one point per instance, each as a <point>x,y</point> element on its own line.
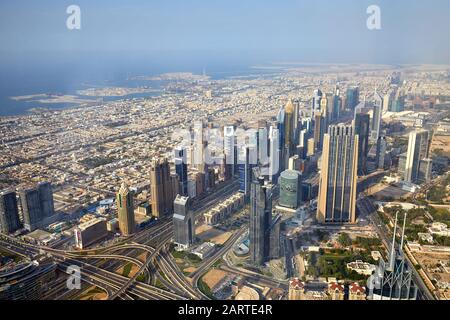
<point>344,240</point>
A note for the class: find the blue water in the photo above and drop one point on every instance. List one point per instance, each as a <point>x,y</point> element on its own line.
<point>65,74</point>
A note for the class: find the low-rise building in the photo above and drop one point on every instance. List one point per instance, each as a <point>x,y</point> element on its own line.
<point>89,232</point>
<point>204,250</point>
<point>336,291</point>
<point>356,292</point>
<point>361,267</point>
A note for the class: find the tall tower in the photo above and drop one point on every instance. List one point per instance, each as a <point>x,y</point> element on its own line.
<point>381,152</point>
<point>377,111</point>
<point>245,169</point>
<point>183,222</point>
<point>362,129</point>
<point>352,98</point>
<point>316,102</point>
<point>418,146</point>
<point>229,149</point>
<point>9,212</point>
<point>37,205</point>
<point>274,154</point>
<point>338,178</point>
<point>161,185</point>
<point>260,220</point>
<point>288,130</point>
<point>125,210</point>
<point>180,159</point>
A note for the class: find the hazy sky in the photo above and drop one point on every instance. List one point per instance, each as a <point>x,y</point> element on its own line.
<point>413,31</point>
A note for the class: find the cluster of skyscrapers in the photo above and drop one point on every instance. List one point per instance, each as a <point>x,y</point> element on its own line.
<point>37,208</point>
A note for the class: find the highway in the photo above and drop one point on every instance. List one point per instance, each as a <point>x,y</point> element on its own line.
<point>208,262</point>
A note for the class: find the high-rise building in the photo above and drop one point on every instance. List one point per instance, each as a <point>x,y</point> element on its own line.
<point>281,137</point>
<point>338,177</point>
<point>46,198</point>
<point>319,130</point>
<point>377,111</point>
<point>125,210</point>
<point>327,106</point>
<point>199,144</point>
<point>337,106</point>
<point>275,237</point>
<point>310,149</point>
<point>245,167</point>
<point>381,152</point>
<point>387,101</point>
<point>263,139</point>
<point>398,105</point>
<point>290,189</point>
<point>418,149</point>
<point>260,220</point>
<point>161,184</point>
<point>274,154</point>
<point>183,222</point>
<point>362,129</point>
<point>229,146</point>
<point>288,130</point>
<point>394,278</point>
<point>9,212</point>
<point>315,107</point>
<point>425,167</point>
<point>37,206</point>
<point>180,160</point>
<point>352,98</point>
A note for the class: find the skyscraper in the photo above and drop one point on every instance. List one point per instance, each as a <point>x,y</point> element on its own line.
<point>245,169</point>
<point>319,130</point>
<point>352,98</point>
<point>398,105</point>
<point>274,154</point>
<point>377,111</point>
<point>260,220</point>
<point>288,130</point>
<point>281,137</point>
<point>381,152</point>
<point>9,212</point>
<point>183,222</point>
<point>229,148</point>
<point>37,205</point>
<point>387,101</point>
<point>180,160</point>
<point>161,184</point>
<point>362,129</point>
<point>338,178</point>
<point>337,104</point>
<point>418,147</point>
<point>315,107</point>
<point>125,210</point>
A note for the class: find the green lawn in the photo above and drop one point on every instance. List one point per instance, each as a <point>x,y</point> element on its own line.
<point>127,269</point>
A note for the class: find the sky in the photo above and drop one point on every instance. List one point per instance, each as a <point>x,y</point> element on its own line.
<point>302,30</point>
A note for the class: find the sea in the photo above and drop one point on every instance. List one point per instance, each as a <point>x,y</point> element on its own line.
<point>58,74</point>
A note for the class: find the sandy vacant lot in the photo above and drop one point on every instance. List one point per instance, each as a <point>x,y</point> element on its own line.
<point>441,142</point>
<point>221,238</point>
<point>214,276</point>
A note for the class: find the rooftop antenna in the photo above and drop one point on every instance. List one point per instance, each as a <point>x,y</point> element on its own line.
<point>403,232</point>
<point>392,257</point>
